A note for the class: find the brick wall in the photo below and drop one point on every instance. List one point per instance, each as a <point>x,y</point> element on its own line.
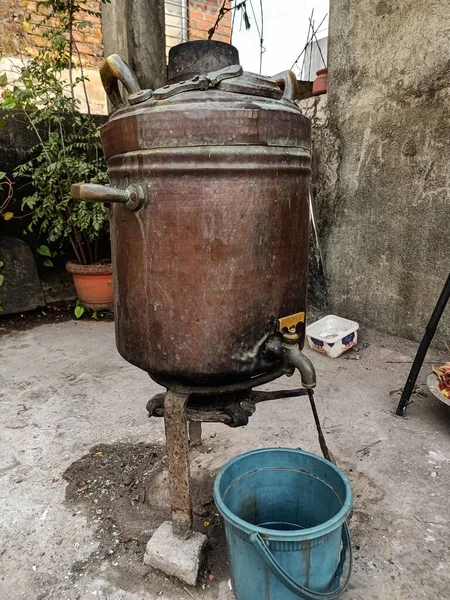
<point>203,15</point>
<point>19,37</point>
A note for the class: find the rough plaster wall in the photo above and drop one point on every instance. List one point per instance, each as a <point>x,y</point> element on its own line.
<point>325,159</point>
<point>325,162</point>
<point>386,235</point>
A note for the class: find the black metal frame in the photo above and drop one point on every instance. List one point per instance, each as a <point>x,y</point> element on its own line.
<point>423,348</point>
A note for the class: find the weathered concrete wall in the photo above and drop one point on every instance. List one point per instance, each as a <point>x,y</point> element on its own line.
<point>325,161</point>
<point>387,218</point>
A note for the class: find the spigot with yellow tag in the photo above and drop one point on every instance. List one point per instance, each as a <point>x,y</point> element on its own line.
<point>293,357</point>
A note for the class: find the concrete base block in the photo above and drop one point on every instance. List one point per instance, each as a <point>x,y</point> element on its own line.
<point>174,556</point>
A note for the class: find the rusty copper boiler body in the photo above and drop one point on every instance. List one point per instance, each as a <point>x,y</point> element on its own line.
<point>209,181</point>
<point>215,251</point>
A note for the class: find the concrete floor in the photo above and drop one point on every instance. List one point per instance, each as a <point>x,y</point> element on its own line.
<point>64,388</point>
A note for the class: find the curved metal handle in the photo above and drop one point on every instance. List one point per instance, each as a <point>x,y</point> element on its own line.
<point>115,69</point>
<point>300,591</point>
<point>133,196</point>
<point>287,81</point>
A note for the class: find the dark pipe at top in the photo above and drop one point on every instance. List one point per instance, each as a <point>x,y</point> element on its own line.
<point>198,58</point>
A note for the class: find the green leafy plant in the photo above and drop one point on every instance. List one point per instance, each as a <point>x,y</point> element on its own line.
<point>67,148</point>
<point>79,309</point>
<point>45,251</point>
<point>6,195</point>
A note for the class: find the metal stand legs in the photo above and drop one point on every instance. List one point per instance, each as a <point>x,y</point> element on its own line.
<point>423,348</point>
<point>195,433</point>
<point>177,446</point>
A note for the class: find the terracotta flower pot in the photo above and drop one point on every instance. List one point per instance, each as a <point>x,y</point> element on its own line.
<point>320,84</point>
<point>94,284</point>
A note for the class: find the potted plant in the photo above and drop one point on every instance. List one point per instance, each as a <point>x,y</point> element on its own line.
<point>67,151</point>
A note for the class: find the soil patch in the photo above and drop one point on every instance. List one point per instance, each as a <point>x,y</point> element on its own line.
<point>57,312</point>
<point>115,486</point>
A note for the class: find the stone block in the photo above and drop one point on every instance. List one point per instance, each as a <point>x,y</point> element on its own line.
<point>21,289</point>
<point>175,556</point>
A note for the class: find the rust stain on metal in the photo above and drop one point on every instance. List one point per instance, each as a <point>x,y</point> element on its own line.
<point>175,421</point>
<point>219,249</point>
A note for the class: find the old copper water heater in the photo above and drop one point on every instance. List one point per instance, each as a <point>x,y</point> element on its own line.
<point>209,180</point>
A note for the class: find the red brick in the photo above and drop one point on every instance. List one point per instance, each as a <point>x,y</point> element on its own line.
<point>198,6</point>
<point>211,18</point>
<point>85,49</point>
<point>195,36</point>
<point>94,39</point>
<point>222,38</point>
<point>214,7</point>
<point>78,36</point>
<point>38,41</point>
<point>224,30</point>
<point>200,25</point>
<point>87,17</point>
<point>196,15</point>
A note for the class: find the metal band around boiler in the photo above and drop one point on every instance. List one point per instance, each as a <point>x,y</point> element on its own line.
<point>205,158</point>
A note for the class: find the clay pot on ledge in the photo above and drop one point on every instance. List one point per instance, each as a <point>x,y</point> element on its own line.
<point>94,284</point>
<point>320,84</point>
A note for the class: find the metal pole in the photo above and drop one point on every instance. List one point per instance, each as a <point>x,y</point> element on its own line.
<point>177,448</point>
<point>423,348</point>
<point>195,433</point>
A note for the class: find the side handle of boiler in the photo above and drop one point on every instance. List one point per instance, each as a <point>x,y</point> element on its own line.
<point>133,196</point>
<point>113,70</point>
<point>287,81</point>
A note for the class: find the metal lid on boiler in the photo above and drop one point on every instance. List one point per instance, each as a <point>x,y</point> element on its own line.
<point>198,58</point>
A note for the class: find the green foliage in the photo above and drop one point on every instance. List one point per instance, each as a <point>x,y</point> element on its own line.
<point>45,251</point>
<point>67,148</point>
<point>79,309</point>
<point>6,196</point>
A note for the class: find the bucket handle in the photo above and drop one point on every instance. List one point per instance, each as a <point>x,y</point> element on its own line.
<point>303,592</point>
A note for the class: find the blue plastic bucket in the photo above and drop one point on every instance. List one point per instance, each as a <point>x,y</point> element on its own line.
<point>284,512</point>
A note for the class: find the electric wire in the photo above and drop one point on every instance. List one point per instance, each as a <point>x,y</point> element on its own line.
<point>260,33</point>
<point>306,45</point>
<point>318,45</point>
